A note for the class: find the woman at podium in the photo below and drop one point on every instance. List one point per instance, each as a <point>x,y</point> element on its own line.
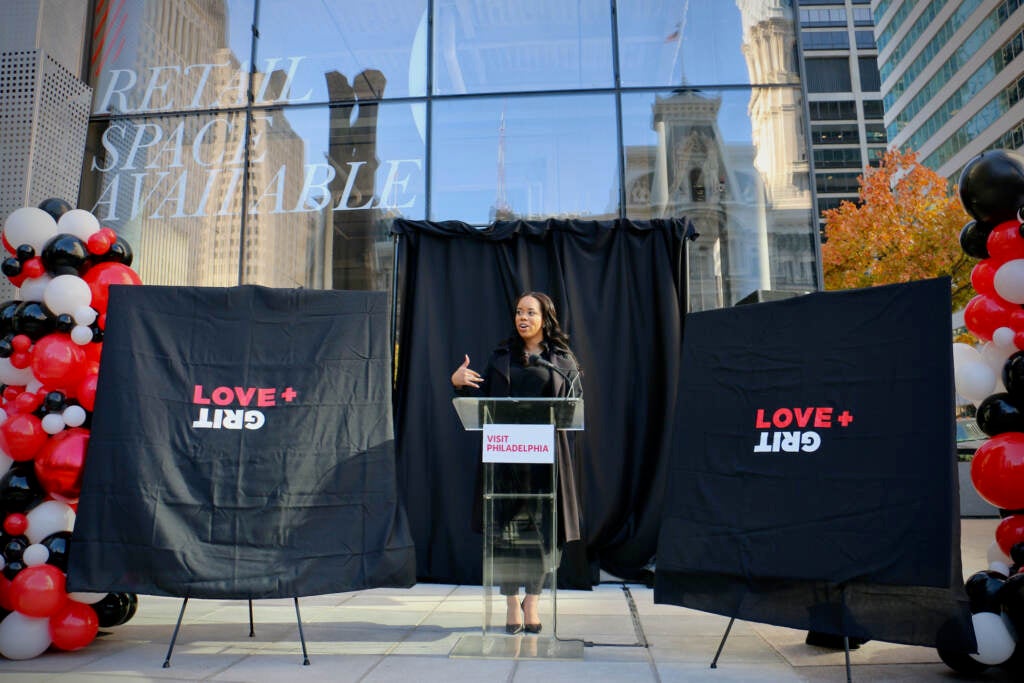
<point>534,361</point>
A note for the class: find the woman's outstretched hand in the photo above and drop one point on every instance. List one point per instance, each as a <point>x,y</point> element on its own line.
<point>464,376</point>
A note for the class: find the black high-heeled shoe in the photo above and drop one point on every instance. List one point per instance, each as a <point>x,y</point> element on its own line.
<point>529,628</point>
<point>513,629</point>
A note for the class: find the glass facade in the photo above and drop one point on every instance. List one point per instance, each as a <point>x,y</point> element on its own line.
<point>273,142</point>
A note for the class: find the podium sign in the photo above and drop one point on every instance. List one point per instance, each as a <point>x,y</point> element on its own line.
<point>522,443</point>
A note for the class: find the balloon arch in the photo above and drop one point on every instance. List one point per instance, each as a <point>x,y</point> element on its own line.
<point>63,263</point>
<point>992,377</point>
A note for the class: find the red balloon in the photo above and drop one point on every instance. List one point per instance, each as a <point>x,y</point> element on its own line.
<point>38,591</point>
<point>86,392</point>
<point>983,277</point>
<point>58,362</point>
<point>33,267</point>
<point>21,342</point>
<point>15,524</point>
<point>102,275</point>
<point>997,470</point>
<point>1005,243</point>
<point>59,463</point>
<point>5,593</point>
<point>21,436</point>
<point>98,243</point>
<point>1009,532</point>
<point>984,314</point>
<point>74,626</point>
<point>27,402</point>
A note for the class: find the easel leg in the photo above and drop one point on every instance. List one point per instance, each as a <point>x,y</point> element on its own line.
<point>846,647</point>
<point>174,636</point>
<point>714,662</point>
<point>302,637</point>
<point>252,630</point>
<point>846,638</point>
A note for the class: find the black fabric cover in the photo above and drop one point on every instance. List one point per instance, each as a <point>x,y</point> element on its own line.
<point>304,505</point>
<point>860,536</point>
<point>618,287</point>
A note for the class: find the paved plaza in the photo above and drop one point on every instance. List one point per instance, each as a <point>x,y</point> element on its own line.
<point>408,635</point>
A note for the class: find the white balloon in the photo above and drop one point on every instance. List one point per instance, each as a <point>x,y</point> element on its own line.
<point>87,598</point>
<point>12,376</point>
<point>81,335</point>
<point>29,225</point>
<point>1003,338</point>
<point>964,352</point>
<point>66,294</point>
<point>996,554</point>
<point>34,386</point>
<point>78,222</point>
<point>52,423</point>
<point>24,637</point>
<point>85,315</point>
<point>1001,567</point>
<point>74,416</point>
<point>34,288</point>
<point>995,644</point>
<point>47,518</point>
<point>1009,281</point>
<point>5,463</point>
<point>35,554</point>
<point>995,356</point>
<point>975,380</point>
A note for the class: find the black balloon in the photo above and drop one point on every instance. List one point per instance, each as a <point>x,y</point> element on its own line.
<point>1013,375</point>
<point>58,544</point>
<point>55,206</point>
<point>7,310</point>
<point>983,591</point>
<point>19,488</point>
<point>11,267</point>
<point>133,606</point>
<point>953,642</point>
<point>992,186</point>
<point>25,252</point>
<point>120,251</point>
<point>64,323</point>
<point>112,609</point>
<point>974,239</point>
<point>1011,597</point>
<point>54,402</point>
<point>1000,413</point>
<point>11,569</point>
<point>31,318</point>
<point>65,254</point>
<point>1017,553</point>
<point>6,348</point>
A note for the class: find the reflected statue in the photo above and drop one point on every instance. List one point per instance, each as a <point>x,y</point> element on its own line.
<point>352,151</point>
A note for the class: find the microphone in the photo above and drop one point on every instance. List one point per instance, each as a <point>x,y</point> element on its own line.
<point>537,359</point>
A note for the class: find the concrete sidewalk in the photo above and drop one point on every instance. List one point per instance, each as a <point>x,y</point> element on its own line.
<point>407,635</point>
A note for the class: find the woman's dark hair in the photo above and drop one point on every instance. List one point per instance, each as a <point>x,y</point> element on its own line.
<point>553,333</point>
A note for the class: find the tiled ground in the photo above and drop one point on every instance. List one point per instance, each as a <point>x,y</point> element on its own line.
<point>407,635</point>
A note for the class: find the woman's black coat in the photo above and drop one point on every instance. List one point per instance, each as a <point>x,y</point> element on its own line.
<point>497,384</point>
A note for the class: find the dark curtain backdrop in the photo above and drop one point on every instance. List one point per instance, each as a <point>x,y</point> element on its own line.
<point>619,288</point>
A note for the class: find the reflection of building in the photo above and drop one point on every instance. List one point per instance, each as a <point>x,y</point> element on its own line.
<point>177,190</point>
<point>952,78</point>
<point>749,203</point>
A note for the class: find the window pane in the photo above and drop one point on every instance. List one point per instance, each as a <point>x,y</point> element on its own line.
<point>340,50</point>
<point>869,78</point>
<point>524,157</point>
<point>325,183</point>
<point>706,43</point>
<point>720,158</point>
<point>172,187</point>
<point>515,45</point>
<point>170,55</point>
<point>828,74</point>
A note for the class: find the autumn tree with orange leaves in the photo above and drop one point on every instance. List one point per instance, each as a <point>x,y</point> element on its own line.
<point>905,227</point>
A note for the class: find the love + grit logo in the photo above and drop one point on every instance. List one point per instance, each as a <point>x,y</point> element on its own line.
<point>226,416</point>
<point>796,429</point>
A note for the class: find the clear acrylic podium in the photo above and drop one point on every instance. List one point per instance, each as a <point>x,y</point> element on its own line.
<point>520,526</point>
